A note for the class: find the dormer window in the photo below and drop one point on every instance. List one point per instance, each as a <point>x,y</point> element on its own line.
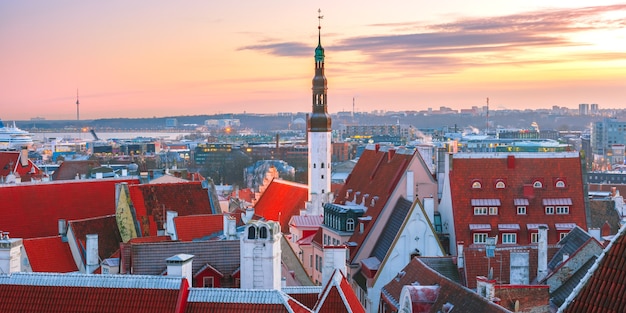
<point>537,184</point>
<point>476,185</point>
<point>350,224</point>
<point>559,184</point>
<point>500,185</point>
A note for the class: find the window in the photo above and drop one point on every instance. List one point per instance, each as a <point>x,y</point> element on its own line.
<point>207,282</point>
<point>562,235</point>
<point>251,232</point>
<point>350,224</point>
<point>322,165</point>
<point>500,185</point>
<point>311,260</point>
<point>549,210</point>
<point>534,237</point>
<point>480,237</point>
<point>509,238</point>
<point>537,184</point>
<point>263,232</point>
<point>560,184</point>
<point>521,210</point>
<point>562,210</point>
<point>493,210</point>
<point>480,210</point>
<point>476,185</point>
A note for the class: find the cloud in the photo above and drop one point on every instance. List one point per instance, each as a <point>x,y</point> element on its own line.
<point>289,49</point>
<point>484,41</point>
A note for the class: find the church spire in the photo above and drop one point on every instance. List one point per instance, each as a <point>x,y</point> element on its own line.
<point>319,136</point>
<point>320,120</point>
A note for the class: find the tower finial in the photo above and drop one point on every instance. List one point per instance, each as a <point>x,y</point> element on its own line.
<point>319,18</point>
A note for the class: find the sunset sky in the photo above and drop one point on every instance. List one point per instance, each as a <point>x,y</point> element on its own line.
<point>167,58</point>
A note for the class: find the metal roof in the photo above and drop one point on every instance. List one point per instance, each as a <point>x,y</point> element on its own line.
<point>91,280</point>
<point>485,202</point>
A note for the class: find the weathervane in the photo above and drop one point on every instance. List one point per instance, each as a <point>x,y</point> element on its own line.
<point>319,18</point>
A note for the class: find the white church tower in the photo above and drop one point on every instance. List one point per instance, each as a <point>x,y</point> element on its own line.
<point>260,256</point>
<point>319,137</point>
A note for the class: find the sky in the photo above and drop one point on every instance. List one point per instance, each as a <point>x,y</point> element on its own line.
<point>154,58</point>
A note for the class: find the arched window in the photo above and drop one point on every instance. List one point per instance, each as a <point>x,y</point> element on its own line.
<point>350,224</point>
<point>500,185</point>
<point>560,184</point>
<point>322,165</point>
<point>263,232</point>
<point>537,184</point>
<point>251,232</point>
<point>313,165</point>
<point>476,185</point>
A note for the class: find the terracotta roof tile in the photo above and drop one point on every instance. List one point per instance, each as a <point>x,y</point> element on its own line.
<point>519,171</point>
<point>68,169</point>
<point>49,254</point>
<point>603,287</point>
<point>416,272</point>
<point>43,204</point>
<point>10,162</point>
<point>338,296</point>
<point>34,292</point>
<point>108,234</point>
<point>192,227</point>
<point>376,174</point>
<point>151,202</point>
<point>280,201</point>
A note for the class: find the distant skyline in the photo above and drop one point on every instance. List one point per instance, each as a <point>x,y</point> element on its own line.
<point>163,58</point>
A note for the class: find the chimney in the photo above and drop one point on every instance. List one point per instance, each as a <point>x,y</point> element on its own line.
<point>24,157</point>
<point>10,254</point>
<point>390,154</point>
<point>410,186</point>
<point>460,257</point>
<point>170,229</point>
<point>180,265</point>
<point>510,161</point>
<point>62,229</point>
<point>247,217</point>
<point>91,253</point>
<point>363,221</point>
<point>542,254</point>
<point>230,227</point>
<point>334,259</point>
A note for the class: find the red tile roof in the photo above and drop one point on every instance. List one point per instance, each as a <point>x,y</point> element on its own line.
<point>418,273</point>
<point>376,174</point>
<point>109,237</point>
<point>281,200</point>
<point>49,254</point>
<point>38,292</point>
<point>152,200</point>
<point>10,162</point>
<point>192,227</point>
<point>338,296</point>
<point>33,210</point>
<point>604,286</point>
<point>68,169</point>
<point>519,171</point>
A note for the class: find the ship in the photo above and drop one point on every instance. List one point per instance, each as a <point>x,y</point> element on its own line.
<point>11,137</point>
